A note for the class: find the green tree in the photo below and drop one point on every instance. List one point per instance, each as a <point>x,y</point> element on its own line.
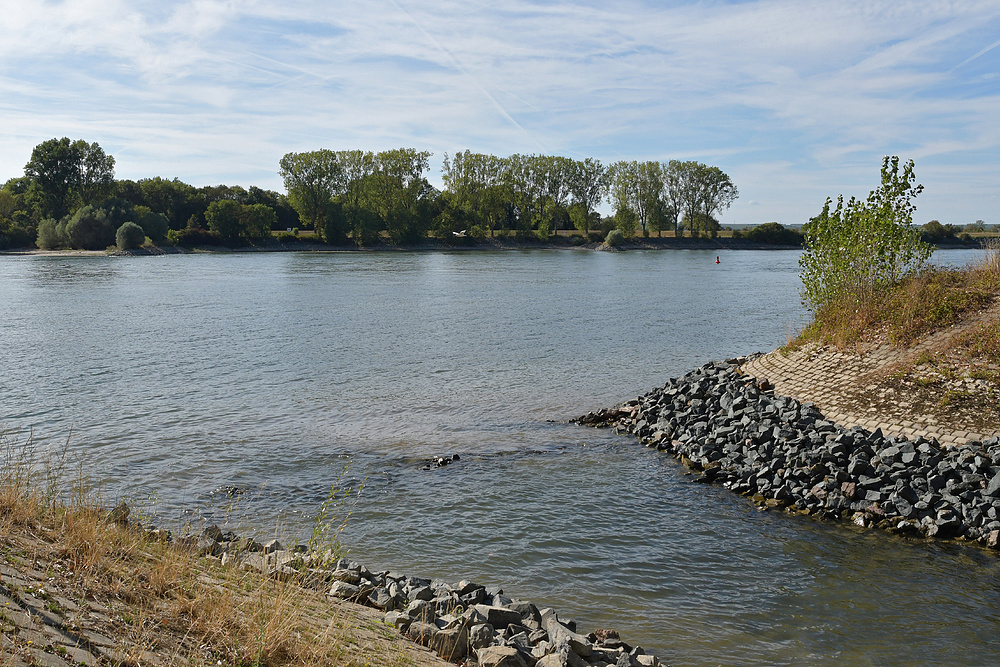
<point>257,221</point>
<point>68,174</point>
<point>173,198</point>
<point>154,225</point>
<point>588,183</point>
<point>225,218</point>
<point>860,248</point>
<point>638,187</point>
<point>312,180</point>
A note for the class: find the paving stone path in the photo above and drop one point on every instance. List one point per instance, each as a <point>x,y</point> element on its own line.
<point>833,380</point>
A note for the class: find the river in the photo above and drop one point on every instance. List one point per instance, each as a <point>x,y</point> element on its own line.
<point>175,378</point>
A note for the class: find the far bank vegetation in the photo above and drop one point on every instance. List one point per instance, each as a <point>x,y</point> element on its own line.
<point>69,197</point>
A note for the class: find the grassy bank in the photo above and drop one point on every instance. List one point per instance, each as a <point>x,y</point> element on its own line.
<point>932,300</point>
<point>925,351</point>
<point>84,584</point>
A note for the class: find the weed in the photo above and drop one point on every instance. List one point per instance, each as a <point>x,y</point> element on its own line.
<point>166,599</point>
<point>331,520</point>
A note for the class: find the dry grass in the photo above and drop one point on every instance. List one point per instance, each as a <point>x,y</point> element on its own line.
<point>933,300</point>
<point>167,602</point>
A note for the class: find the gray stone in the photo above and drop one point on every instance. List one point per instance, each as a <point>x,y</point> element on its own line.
<point>347,576</point>
<point>500,656</point>
<point>993,488</point>
<point>559,633</point>
<point>344,590</point>
<point>421,610</point>
<point>498,617</point>
<point>451,644</point>
<point>421,633</point>
<point>480,635</point>
<point>398,620</point>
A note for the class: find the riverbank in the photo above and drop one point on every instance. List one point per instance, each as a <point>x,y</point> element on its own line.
<point>884,414</point>
<point>463,244</point>
<point>782,453</point>
<point>84,585</point>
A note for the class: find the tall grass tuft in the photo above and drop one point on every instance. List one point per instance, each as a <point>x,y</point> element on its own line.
<point>166,599</point>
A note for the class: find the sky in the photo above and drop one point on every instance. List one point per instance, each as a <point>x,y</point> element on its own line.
<point>797,100</point>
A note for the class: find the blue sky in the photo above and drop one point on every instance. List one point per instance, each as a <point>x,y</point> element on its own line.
<point>796,100</point>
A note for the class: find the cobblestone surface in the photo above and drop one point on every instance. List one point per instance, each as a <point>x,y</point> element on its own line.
<point>833,380</point>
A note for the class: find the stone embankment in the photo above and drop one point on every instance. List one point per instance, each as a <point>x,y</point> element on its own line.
<point>784,454</point>
<point>464,622</point>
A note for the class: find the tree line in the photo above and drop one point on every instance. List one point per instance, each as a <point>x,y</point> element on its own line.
<point>363,193</point>
<point>69,197</point>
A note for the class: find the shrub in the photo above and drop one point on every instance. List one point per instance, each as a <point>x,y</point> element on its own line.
<point>615,238</point>
<point>192,237</point>
<point>934,232</point>
<point>287,237</point>
<point>154,225</point>
<point>773,233</point>
<point>51,234</point>
<point>90,229</point>
<point>862,248</point>
<point>595,237</point>
<point>129,235</point>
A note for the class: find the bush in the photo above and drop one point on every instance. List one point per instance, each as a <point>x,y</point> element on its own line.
<point>90,229</point>
<point>129,235</point>
<point>154,225</point>
<point>773,233</point>
<point>861,249</point>
<point>192,237</point>
<point>287,237</point>
<point>934,232</point>
<point>615,238</point>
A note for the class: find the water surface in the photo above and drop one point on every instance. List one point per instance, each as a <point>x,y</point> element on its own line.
<point>181,375</point>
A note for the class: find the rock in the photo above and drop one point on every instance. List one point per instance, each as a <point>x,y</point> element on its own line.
<point>381,598</point>
<point>344,590</point>
<point>398,620</point>
<point>213,532</point>
<point>422,633</point>
<point>993,488</point>
<point>500,656</point>
<point>273,545</point>
<point>451,644</point>
<point>421,610</point>
<point>119,514</point>
<point>347,576</point>
<point>480,635</point>
<point>498,617</point>
<point>559,634</point>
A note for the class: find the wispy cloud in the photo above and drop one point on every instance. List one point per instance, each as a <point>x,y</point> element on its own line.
<point>797,99</point>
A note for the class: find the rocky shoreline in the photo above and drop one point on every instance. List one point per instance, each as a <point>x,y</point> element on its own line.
<point>464,623</point>
<point>782,453</point>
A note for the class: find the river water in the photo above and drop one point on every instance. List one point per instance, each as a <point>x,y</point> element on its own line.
<point>285,375</point>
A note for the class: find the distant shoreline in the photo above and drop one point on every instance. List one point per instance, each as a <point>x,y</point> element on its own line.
<point>464,244</point>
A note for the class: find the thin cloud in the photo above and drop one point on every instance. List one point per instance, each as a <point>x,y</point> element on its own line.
<point>793,98</point>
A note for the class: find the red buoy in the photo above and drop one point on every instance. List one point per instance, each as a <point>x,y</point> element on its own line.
<point>716,259</point>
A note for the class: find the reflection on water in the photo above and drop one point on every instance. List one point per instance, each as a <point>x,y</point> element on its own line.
<point>182,375</point>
